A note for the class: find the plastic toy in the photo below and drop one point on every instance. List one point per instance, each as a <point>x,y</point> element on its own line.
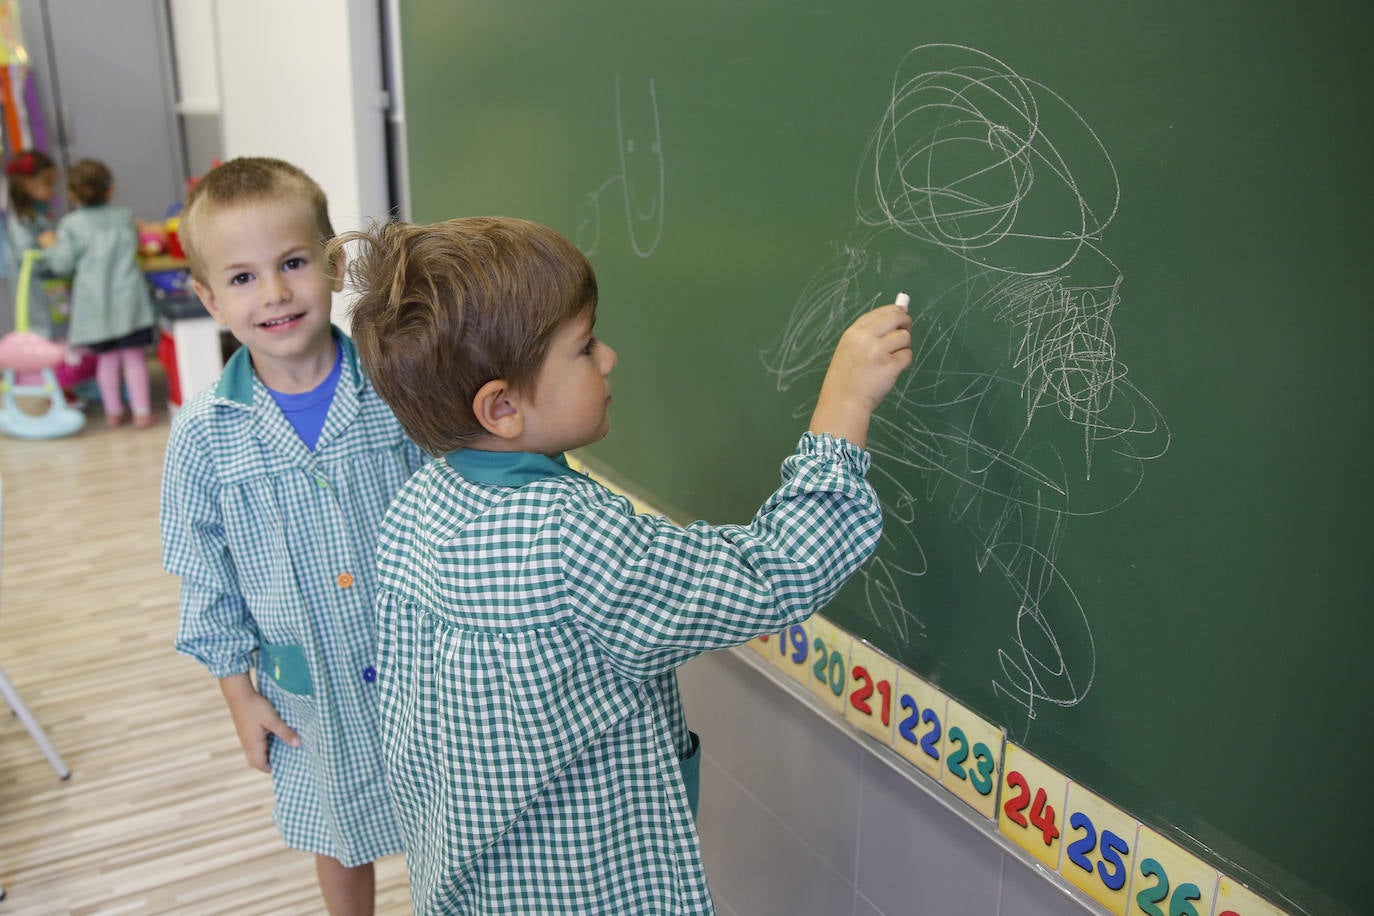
<point>173,225</point>
<point>152,239</point>
<point>26,353</point>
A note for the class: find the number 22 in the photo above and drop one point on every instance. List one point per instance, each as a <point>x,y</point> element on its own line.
<point>908,727</point>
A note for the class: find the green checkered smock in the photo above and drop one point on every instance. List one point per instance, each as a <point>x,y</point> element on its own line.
<point>529,627</point>
<point>275,546</point>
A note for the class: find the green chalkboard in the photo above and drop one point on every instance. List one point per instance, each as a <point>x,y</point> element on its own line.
<point>1127,486</point>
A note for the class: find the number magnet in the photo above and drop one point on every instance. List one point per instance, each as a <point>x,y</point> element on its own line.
<point>920,723</point>
<point>973,757</point>
<point>1032,805</point>
<point>1168,880</point>
<point>871,689</point>
<point>829,663</point>
<point>1099,854</point>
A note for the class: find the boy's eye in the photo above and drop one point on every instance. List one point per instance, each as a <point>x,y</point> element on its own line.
<point>295,263</point>
<point>590,347</point>
<point>240,279</point>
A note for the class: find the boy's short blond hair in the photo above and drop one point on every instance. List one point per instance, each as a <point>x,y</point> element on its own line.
<point>248,180</point>
<point>443,309</point>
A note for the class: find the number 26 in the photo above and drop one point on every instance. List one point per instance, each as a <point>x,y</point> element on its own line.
<point>1180,904</point>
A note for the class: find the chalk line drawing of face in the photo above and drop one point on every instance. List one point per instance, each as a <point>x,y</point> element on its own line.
<point>994,184</point>
<point>640,178</point>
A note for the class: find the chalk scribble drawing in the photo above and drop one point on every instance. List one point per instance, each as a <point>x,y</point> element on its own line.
<point>981,175</point>
<point>639,182</point>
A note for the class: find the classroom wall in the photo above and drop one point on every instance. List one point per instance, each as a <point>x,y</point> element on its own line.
<point>308,89</point>
<point>799,816</point>
<point>197,81</point>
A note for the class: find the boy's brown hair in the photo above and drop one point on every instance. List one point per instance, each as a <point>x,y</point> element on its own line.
<point>90,182</point>
<point>248,180</point>
<point>443,309</point>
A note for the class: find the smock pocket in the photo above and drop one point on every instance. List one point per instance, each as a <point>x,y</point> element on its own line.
<point>286,665</point>
<point>691,772</point>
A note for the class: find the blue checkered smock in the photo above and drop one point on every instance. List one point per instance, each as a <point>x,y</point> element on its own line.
<point>275,546</point>
<point>529,627</point>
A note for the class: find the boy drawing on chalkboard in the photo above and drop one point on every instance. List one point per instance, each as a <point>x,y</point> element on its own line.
<point>529,621</point>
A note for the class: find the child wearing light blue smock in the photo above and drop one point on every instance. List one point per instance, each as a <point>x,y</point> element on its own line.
<point>112,313</point>
<point>530,623</point>
<point>275,483</point>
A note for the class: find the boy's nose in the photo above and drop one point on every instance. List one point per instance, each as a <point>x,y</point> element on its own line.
<point>278,290</point>
<point>275,289</point>
<point>608,358</point>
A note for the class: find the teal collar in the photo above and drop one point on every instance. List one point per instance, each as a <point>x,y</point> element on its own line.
<point>507,469</point>
<point>236,381</point>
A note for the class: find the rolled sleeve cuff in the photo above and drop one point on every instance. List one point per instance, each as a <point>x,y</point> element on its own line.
<point>837,449</point>
<point>220,666</point>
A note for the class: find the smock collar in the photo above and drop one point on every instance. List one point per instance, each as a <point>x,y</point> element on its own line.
<point>236,381</point>
<point>507,469</point>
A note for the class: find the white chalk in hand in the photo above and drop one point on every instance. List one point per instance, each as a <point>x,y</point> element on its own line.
<point>904,300</point>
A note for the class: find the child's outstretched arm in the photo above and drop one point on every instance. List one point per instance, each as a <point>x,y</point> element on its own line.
<point>653,594</point>
<point>863,369</point>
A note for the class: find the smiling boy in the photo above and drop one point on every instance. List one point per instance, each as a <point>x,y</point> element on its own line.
<point>274,486</point>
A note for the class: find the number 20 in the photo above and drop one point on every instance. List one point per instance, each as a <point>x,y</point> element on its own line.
<point>829,667</point>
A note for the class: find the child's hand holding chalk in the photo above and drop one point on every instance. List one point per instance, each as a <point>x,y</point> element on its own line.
<point>870,355</point>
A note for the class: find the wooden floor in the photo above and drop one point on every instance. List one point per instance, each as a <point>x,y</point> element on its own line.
<point>161,813</point>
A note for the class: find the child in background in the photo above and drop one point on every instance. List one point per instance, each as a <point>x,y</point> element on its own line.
<point>112,313</point>
<point>32,177</point>
<point>530,623</point>
<point>274,485</point>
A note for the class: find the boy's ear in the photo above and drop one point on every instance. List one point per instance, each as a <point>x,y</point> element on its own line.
<point>336,270</point>
<point>207,299</point>
<point>497,408</point>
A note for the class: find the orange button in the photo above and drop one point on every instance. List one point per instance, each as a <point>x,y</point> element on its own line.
<point>345,580</point>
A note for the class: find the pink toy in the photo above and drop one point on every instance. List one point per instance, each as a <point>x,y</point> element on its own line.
<point>28,364</point>
<point>152,238</point>
<point>25,351</point>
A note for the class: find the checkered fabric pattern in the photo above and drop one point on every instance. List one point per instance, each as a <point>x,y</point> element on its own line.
<point>276,544</point>
<point>527,642</point>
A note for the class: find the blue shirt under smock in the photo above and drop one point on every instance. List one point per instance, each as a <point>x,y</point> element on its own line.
<point>306,411</point>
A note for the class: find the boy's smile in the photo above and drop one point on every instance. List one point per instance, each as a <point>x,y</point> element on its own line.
<point>267,281</point>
